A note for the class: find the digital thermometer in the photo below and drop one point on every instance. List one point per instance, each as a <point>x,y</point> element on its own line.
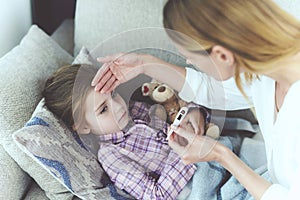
<point>178,119</point>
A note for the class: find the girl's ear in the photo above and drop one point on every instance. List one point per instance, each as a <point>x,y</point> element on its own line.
<point>81,129</point>
<point>223,55</point>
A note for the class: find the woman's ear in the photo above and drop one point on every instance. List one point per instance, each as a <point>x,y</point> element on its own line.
<point>223,55</point>
<point>81,129</point>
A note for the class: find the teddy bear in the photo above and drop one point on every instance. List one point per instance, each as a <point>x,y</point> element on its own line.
<point>163,95</point>
<point>169,104</point>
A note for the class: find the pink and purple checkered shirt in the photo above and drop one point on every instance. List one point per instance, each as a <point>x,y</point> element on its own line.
<point>140,161</point>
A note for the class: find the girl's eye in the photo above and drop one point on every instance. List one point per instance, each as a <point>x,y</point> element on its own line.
<point>103,110</point>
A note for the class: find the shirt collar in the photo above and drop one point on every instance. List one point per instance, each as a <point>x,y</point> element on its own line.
<point>118,136</point>
<point>113,137</point>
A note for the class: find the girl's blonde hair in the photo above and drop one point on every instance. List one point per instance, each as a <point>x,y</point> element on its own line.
<point>66,90</point>
<point>258,32</point>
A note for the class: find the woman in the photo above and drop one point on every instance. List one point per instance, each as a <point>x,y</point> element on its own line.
<point>259,39</point>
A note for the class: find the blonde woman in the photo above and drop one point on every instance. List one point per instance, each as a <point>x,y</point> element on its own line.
<point>260,40</point>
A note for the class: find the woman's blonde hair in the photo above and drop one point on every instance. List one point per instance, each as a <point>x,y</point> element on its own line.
<point>66,90</point>
<point>258,32</point>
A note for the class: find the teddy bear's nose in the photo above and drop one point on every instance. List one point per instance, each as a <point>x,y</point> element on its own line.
<point>161,89</point>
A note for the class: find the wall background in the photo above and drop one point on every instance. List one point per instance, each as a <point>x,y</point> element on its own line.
<point>16,17</point>
<point>15,20</point>
<point>292,6</point>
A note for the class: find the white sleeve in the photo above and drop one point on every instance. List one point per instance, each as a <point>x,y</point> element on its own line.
<point>207,91</point>
<point>275,192</point>
<point>279,192</point>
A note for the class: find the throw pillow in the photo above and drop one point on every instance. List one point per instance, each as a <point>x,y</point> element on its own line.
<point>63,154</point>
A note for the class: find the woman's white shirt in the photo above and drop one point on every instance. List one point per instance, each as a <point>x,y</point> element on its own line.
<point>205,90</point>
<point>281,133</point>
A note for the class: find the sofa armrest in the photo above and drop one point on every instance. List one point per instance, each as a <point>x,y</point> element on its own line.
<point>35,192</point>
<point>14,181</point>
<point>64,35</point>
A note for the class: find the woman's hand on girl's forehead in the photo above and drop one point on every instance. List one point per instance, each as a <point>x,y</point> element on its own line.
<point>107,78</point>
<point>117,69</point>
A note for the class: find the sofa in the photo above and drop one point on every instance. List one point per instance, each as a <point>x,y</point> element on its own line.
<point>25,69</point>
<point>99,28</point>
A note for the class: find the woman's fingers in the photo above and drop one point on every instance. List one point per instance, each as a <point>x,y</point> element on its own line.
<point>181,150</point>
<point>116,69</point>
<point>104,81</point>
<point>108,62</point>
<point>175,145</point>
<point>113,86</point>
<point>108,84</point>
<point>103,70</point>
<point>117,72</point>
<point>107,77</point>
<point>183,133</point>
<point>196,149</point>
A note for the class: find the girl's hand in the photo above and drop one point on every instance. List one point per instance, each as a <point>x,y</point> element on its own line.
<point>197,148</point>
<point>117,69</point>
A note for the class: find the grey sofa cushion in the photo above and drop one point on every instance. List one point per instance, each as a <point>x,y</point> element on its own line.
<point>64,35</point>
<point>97,21</point>
<point>35,192</point>
<point>14,182</point>
<point>23,73</point>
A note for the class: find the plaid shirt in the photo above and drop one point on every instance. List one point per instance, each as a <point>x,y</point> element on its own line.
<point>140,160</point>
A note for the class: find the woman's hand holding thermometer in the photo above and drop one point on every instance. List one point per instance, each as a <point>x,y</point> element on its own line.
<point>178,119</point>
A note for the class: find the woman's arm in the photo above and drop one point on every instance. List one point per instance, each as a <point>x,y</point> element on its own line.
<point>165,72</point>
<point>202,149</point>
<point>193,86</point>
<point>254,183</point>
<point>120,68</point>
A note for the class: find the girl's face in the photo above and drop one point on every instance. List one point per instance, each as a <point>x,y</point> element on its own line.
<point>212,64</point>
<point>105,113</point>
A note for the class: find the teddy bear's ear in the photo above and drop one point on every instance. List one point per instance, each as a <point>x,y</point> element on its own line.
<point>154,81</point>
<point>146,89</point>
